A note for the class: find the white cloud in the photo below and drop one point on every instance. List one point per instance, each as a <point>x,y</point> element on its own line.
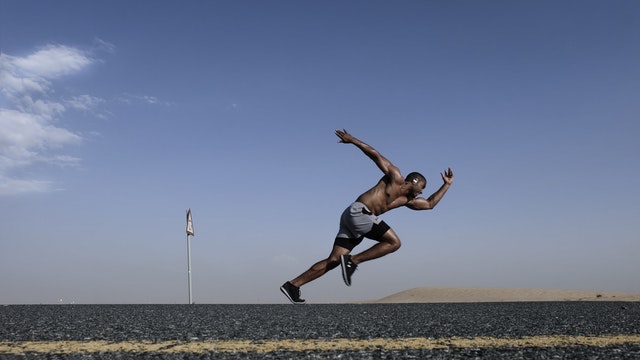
<point>53,61</point>
<point>102,45</point>
<point>30,113</point>
<point>84,102</point>
<point>13,83</point>
<point>40,107</point>
<point>146,99</point>
<point>150,99</point>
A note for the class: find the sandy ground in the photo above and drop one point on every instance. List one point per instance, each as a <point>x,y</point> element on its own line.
<point>451,295</point>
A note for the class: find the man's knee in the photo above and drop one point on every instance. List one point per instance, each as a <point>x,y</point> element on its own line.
<point>395,245</point>
<point>392,239</point>
<point>332,263</point>
<point>334,258</point>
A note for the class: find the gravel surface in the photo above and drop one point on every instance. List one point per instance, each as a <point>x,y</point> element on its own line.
<point>193,323</point>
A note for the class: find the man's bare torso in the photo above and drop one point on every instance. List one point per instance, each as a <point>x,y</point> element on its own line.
<point>387,194</point>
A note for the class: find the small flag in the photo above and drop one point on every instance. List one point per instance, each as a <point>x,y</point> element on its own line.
<point>189,223</point>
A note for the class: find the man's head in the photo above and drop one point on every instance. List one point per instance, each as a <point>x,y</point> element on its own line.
<point>417,183</point>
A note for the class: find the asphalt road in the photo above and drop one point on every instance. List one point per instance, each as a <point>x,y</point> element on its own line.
<point>566,330</point>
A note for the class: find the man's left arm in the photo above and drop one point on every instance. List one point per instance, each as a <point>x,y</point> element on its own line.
<point>434,199</point>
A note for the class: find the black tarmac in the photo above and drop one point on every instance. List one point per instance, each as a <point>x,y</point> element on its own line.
<point>197,323</point>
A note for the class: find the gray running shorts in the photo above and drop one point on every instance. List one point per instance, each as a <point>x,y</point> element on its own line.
<point>358,222</point>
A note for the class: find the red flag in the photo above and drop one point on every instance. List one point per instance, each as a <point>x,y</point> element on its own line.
<point>189,223</point>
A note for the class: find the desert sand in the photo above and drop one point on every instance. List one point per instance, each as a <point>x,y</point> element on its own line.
<point>453,294</point>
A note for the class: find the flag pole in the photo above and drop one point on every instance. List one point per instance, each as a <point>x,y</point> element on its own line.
<point>189,267</point>
<point>190,233</point>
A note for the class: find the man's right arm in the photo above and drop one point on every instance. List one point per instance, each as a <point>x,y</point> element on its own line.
<point>431,202</point>
<point>383,163</point>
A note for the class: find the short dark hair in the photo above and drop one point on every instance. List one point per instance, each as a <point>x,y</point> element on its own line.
<point>415,177</point>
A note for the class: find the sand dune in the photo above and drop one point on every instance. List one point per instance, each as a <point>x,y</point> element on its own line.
<point>449,294</point>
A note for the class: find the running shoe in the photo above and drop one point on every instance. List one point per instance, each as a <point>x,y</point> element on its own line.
<point>292,293</point>
<point>348,267</point>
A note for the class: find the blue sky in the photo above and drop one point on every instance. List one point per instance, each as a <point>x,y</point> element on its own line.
<point>117,116</point>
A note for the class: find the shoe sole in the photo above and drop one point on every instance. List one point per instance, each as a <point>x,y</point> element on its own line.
<point>284,291</point>
<point>343,265</point>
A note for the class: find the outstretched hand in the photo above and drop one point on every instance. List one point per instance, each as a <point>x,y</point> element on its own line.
<point>344,136</point>
<point>447,176</point>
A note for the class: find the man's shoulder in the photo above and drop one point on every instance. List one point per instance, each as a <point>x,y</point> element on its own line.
<point>393,179</point>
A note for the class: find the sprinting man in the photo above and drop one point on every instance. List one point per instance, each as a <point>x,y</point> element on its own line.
<point>361,219</point>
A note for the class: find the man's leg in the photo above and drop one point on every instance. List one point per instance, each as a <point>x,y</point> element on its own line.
<point>321,267</point>
<point>388,243</point>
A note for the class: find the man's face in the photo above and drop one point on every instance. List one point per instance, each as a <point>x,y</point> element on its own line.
<point>417,188</point>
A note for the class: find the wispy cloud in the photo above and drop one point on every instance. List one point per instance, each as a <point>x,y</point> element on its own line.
<point>145,99</point>
<point>84,102</point>
<point>102,45</point>
<point>30,113</point>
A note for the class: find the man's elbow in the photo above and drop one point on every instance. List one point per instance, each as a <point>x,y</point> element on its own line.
<point>428,204</point>
<point>423,206</point>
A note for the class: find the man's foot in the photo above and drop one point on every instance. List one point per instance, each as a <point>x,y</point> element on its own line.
<point>348,267</point>
<point>292,293</point>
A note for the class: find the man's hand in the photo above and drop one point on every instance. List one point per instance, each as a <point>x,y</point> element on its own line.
<point>447,176</point>
<point>383,163</point>
<point>344,136</point>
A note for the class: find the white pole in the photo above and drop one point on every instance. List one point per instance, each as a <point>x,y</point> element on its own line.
<point>189,267</point>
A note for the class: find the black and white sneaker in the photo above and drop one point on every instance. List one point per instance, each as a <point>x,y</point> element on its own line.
<point>292,293</point>
<point>348,267</point>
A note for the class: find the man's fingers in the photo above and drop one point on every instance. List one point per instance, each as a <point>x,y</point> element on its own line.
<point>342,134</point>
<point>447,174</point>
